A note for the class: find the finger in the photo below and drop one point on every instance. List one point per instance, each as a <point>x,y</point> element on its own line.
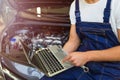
<point>76,63</point>
<point>71,59</point>
<point>66,58</point>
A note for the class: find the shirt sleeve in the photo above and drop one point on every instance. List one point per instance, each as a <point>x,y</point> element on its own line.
<point>72,13</point>
<point>117,15</point>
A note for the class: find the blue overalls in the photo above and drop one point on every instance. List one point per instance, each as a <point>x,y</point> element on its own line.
<point>93,36</point>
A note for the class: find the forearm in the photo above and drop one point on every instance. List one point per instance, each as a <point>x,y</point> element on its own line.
<point>71,46</point>
<point>111,54</point>
<point>73,42</point>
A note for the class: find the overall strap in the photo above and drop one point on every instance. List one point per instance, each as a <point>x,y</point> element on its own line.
<point>107,12</point>
<point>77,11</point>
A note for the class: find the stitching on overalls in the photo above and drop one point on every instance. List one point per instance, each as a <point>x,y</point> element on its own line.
<point>80,76</point>
<point>106,41</point>
<point>101,76</point>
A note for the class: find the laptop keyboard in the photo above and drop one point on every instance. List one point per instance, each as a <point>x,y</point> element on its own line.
<point>50,62</point>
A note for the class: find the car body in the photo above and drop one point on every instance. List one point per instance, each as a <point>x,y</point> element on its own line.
<point>37,24</point>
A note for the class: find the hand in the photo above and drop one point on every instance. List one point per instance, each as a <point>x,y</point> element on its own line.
<point>77,58</point>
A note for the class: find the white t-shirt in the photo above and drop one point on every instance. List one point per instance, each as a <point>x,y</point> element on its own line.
<point>94,12</point>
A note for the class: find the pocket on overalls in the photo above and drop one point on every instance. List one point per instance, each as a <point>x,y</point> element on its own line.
<point>94,37</point>
<point>92,33</point>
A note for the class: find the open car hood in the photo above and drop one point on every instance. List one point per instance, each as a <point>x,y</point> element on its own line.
<point>22,4</point>
<point>39,10</point>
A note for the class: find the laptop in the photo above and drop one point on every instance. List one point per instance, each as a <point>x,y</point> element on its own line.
<point>48,60</point>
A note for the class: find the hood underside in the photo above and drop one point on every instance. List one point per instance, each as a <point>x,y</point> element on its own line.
<point>31,3</point>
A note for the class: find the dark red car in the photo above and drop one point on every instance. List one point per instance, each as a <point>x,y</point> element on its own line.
<point>36,24</point>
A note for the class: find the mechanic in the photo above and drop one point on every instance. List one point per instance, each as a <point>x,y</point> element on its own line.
<point>93,41</point>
